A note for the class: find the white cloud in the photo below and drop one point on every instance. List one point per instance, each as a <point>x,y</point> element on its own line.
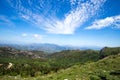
<point>52,24</point>
<point>24,34</point>
<point>107,22</point>
<point>37,36</point>
<point>74,19</point>
<point>25,17</point>
<point>72,2</point>
<point>33,36</point>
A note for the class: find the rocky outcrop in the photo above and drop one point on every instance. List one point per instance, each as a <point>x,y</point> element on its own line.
<point>9,65</point>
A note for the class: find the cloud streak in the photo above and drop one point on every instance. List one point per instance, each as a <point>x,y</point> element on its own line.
<point>45,15</point>
<point>5,21</point>
<point>106,22</point>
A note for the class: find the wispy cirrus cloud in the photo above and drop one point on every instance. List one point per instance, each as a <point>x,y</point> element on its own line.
<point>75,18</point>
<point>5,21</point>
<point>73,2</point>
<point>44,14</point>
<point>106,22</point>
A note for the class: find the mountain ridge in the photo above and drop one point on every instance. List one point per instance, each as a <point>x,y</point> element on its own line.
<point>46,47</point>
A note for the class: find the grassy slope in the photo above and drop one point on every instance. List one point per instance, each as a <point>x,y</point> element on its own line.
<point>72,57</point>
<point>105,69</point>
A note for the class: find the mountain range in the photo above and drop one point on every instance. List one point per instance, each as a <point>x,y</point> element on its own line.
<point>46,47</point>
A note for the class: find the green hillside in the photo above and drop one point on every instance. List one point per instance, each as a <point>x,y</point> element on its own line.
<point>68,58</point>
<point>65,65</point>
<point>105,69</point>
<point>109,51</point>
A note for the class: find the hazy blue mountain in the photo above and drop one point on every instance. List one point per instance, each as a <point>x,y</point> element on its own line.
<point>49,48</point>
<point>46,47</point>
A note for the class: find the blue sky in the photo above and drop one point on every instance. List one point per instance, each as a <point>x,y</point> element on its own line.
<point>63,22</point>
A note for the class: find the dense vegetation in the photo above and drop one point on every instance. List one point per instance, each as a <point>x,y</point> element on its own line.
<point>109,51</point>
<point>105,69</point>
<point>77,64</point>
